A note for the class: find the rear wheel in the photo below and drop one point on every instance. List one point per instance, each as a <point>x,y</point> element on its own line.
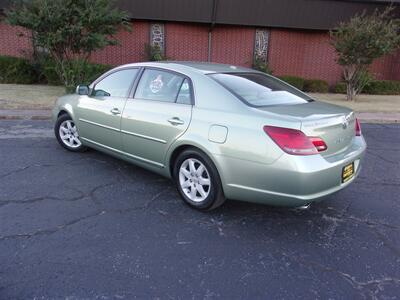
<point>198,181</point>
<point>67,134</point>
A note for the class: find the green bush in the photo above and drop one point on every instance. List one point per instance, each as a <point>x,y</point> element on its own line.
<point>79,72</point>
<point>340,88</point>
<point>75,70</point>
<point>153,53</point>
<point>375,87</point>
<point>382,87</point>
<point>48,72</point>
<point>93,71</point>
<point>316,86</point>
<point>261,66</point>
<point>17,70</point>
<point>295,81</point>
<point>22,71</point>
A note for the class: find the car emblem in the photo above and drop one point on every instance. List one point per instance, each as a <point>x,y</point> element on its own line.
<point>346,121</point>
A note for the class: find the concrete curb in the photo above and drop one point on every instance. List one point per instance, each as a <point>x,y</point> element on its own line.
<point>20,114</point>
<point>378,117</point>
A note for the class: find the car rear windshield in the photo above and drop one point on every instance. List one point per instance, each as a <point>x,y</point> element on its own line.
<point>257,89</point>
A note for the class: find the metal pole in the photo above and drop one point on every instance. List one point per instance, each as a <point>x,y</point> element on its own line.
<point>209,45</point>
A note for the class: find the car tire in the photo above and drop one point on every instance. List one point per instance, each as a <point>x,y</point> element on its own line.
<point>198,181</point>
<point>67,134</point>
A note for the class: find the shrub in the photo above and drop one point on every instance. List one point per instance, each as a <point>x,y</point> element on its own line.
<point>48,72</point>
<point>17,70</point>
<point>297,82</point>
<point>340,88</point>
<point>70,31</point>
<point>153,53</point>
<point>93,71</point>
<point>79,72</point>
<point>360,41</point>
<point>22,71</point>
<point>261,66</point>
<point>382,87</point>
<point>316,86</point>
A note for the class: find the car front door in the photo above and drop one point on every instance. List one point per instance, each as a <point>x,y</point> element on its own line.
<point>157,115</point>
<point>99,114</point>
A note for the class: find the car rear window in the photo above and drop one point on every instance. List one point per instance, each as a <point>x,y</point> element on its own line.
<point>257,89</point>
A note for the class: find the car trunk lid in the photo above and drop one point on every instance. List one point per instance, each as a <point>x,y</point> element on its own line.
<point>334,124</point>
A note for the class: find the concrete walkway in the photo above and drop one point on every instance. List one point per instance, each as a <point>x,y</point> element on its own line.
<point>19,114</point>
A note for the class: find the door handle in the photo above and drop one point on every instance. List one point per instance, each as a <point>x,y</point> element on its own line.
<point>115,111</point>
<point>176,121</point>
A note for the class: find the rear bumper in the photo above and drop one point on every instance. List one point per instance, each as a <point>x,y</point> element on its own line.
<point>290,180</point>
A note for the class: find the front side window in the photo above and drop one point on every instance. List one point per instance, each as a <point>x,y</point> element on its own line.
<point>158,85</point>
<point>257,89</point>
<point>116,84</point>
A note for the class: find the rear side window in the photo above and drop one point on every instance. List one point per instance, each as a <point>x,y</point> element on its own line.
<point>116,84</point>
<point>185,95</point>
<point>257,89</point>
<point>159,85</point>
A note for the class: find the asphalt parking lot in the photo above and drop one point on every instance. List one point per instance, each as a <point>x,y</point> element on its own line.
<point>88,226</point>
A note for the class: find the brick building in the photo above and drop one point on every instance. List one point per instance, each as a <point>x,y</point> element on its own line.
<point>292,35</point>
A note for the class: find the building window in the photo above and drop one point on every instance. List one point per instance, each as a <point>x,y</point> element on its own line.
<point>157,37</point>
<point>261,45</point>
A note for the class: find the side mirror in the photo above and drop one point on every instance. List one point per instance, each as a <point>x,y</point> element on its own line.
<point>82,90</point>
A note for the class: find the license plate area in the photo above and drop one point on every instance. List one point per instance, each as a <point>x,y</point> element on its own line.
<point>348,172</point>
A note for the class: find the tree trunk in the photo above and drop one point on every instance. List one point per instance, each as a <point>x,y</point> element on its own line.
<point>350,92</point>
<point>349,74</point>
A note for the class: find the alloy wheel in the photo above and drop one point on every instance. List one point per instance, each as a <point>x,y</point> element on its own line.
<point>194,180</point>
<point>69,134</point>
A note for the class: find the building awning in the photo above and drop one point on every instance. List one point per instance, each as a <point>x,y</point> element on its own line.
<point>299,14</point>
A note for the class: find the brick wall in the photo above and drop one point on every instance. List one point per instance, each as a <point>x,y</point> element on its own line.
<point>184,41</point>
<point>233,45</point>
<point>131,48</point>
<point>308,54</point>
<point>303,53</point>
<point>11,41</point>
<point>291,52</point>
<point>387,67</point>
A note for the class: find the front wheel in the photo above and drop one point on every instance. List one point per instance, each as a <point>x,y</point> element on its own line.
<point>67,134</point>
<point>198,181</point>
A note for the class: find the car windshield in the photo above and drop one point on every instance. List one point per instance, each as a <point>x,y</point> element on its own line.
<point>257,89</point>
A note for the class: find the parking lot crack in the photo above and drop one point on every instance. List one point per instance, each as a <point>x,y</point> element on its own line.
<point>81,195</point>
<point>36,165</point>
<point>50,231</point>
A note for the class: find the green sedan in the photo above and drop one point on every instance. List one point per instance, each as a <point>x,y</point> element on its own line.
<point>218,131</point>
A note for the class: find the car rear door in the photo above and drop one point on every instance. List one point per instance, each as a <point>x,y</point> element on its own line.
<point>159,112</point>
<point>99,115</point>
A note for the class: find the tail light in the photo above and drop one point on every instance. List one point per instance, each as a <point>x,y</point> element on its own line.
<point>358,128</point>
<point>318,143</point>
<point>294,141</point>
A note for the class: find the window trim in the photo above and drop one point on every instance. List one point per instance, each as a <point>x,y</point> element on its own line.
<point>140,75</point>
<point>310,99</point>
<point>92,86</point>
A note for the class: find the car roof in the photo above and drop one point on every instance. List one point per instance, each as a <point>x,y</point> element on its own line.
<point>203,67</point>
<point>206,67</point>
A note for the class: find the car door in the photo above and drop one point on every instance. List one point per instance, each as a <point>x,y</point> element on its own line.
<point>158,114</point>
<point>99,114</point>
